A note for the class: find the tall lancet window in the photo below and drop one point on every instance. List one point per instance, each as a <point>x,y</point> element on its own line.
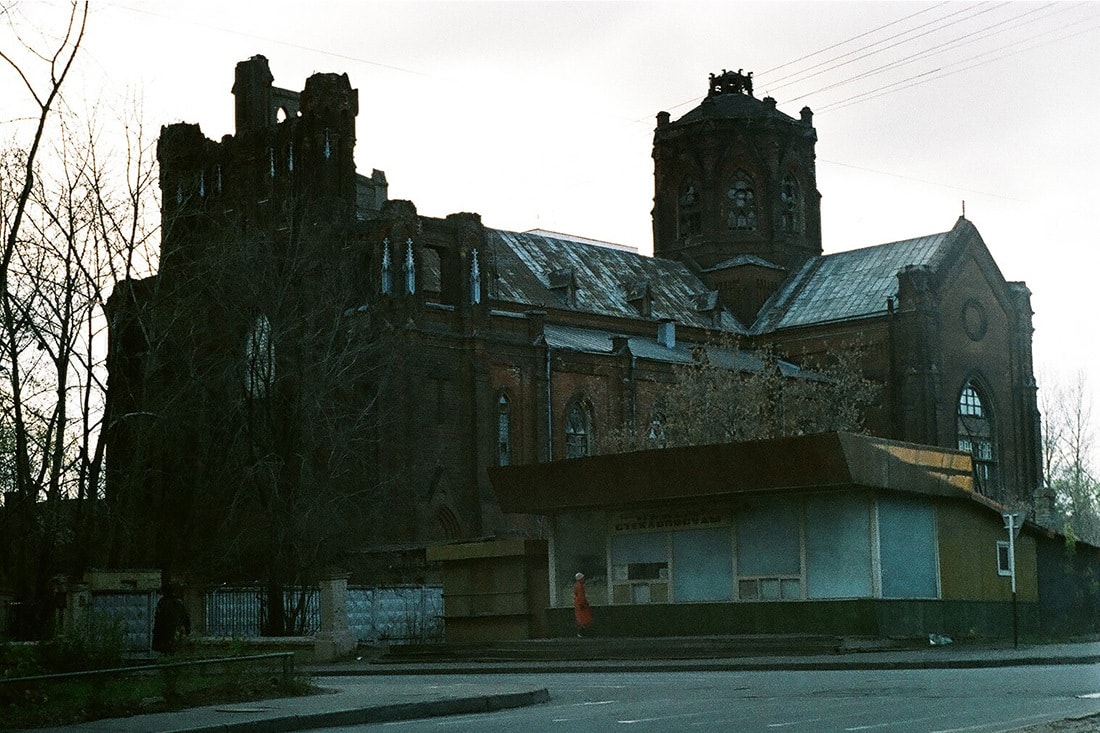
<point>328,145</point>
<point>259,354</point>
<point>410,268</point>
<point>387,268</point>
<point>791,198</point>
<point>741,203</point>
<point>504,432</point>
<point>689,210</point>
<point>976,436</point>
<point>475,280</point>
<point>578,430</point>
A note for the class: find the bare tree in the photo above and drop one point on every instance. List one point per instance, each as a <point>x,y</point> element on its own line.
<point>726,395</point>
<point>1068,445</point>
<point>73,203</point>
<point>42,71</point>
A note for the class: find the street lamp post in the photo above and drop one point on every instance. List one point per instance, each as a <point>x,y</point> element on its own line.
<point>1013,522</point>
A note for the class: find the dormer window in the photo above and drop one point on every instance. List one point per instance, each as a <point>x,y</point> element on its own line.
<point>689,208</point>
<point>791,198</point>
<point>741,203</point>
<point>638,295</point>
<point>564,285</point>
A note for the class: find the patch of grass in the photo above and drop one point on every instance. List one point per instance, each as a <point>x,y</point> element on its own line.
<point>64,702</point>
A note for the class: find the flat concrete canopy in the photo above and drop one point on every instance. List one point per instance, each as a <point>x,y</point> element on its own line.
<point>824,461</point>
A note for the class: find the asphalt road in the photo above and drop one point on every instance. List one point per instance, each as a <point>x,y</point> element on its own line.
<point>901,701</point>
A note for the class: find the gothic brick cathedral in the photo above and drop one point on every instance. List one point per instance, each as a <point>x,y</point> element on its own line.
<point>432,348</point>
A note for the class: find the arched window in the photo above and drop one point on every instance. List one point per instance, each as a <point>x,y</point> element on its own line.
<point>741,203</point>
<point>409,268</point>
<point>387,268</point>
<point>578,429</point>
<point>690,210</point>
<point>976,436</point>
<point>504,432</point>
<point>791,197</point>
<point>259,353</point>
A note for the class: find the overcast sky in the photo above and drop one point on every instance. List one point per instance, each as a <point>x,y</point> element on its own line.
<point>542,114</point>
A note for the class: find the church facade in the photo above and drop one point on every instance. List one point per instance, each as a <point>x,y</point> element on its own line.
<point>434,348</point>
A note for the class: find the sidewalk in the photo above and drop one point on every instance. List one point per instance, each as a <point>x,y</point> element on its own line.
<point>388,692</point>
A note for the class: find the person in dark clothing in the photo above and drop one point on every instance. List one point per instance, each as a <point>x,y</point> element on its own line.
<point>171,621</point>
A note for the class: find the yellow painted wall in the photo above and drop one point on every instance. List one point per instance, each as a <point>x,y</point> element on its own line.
<point>968,538</point>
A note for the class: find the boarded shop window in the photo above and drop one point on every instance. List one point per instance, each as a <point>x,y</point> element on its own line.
<point>702,565</point>
<point>580,546</point>
<point>838,547</point>
<point>769,561</point>
<point>639,567</point>
<point>907,549</point>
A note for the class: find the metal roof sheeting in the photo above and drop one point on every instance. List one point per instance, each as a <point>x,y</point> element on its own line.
<point>847,285</point>
<point>525,263</point>
<point>592,341</point>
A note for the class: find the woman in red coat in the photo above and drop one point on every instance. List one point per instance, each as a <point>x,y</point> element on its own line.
<point>582,614</point>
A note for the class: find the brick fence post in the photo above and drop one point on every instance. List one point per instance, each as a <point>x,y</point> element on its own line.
<point>335,638</point>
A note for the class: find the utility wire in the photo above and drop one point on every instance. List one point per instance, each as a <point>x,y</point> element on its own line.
<point>949,45</point>
<point>918,80</point>
<point>853,38</point>
<point>881,50</point>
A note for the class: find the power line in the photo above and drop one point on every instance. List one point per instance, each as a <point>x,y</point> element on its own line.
<point>949,71</point>
<point>853,38</point>
<point>949,45</point>
<point>886,48</point>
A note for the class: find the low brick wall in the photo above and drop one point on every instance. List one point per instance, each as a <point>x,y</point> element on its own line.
<point>861,617</point>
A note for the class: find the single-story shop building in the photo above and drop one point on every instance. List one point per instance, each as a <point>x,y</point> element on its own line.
<point>829,533</point>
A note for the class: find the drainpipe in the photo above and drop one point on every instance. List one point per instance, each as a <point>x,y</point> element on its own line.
<point>536,330</point>
<point>549,410</point>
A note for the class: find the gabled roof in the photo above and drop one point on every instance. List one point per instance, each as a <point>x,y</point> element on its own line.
<point>529,266</point>
<point>853,284</point>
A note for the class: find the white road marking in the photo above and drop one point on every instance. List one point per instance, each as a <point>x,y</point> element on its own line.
<point>1014,723</point>
<point>659,717</point>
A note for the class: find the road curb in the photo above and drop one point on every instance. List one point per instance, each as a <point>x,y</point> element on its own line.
<point>377,714</point>
<point>592,666</point>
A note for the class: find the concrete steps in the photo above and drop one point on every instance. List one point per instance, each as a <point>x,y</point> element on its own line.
<point>614,648</point>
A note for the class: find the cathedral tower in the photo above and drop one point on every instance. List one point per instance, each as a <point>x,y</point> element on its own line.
<point>736,192</point>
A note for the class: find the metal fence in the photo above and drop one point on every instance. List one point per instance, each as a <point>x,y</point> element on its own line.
<point>409,613</point>
<point>242,612</point>
<point>404,614</point>
<point>133,612</point>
